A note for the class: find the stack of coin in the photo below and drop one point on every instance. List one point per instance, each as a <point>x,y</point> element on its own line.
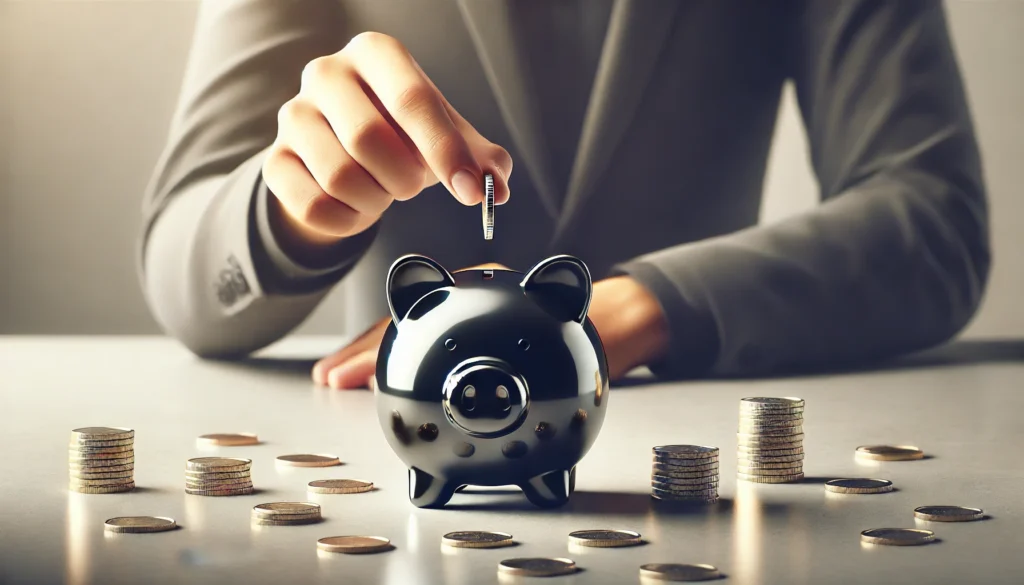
<point>685,473</point>
<point>286,513</point>
<point>771,440</point>
<point>218,476</point>
<point>101,460</point>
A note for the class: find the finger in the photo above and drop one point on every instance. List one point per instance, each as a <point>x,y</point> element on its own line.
<point>361,129</point>
<point>385,65</point>
<point>355,372</point>
<point>337,173</point>
<point>368,339</point>
<point>301,196</point>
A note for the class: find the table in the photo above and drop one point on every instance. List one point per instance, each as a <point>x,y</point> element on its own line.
<point>962,404</point>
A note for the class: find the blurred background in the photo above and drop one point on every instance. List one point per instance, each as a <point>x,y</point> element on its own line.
<point>87,89</point>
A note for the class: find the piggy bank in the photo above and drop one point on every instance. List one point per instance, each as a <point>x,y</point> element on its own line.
<point>490,377</point>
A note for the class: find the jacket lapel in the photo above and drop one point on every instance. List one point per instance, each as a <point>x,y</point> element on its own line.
<point>498,44</point>
<point>636,32</point>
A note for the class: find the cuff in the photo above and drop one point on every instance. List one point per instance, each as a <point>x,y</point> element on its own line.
<point>693,333</point>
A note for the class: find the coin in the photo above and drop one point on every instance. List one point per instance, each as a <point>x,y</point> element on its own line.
<point>76,456</point>
<point>682,481</point>
<point>679,572</point>
<point>697,452</point>
<point>753,457</point>
<point>227,439</point>
<point>215,475</point>
<point>772,442</point>
<point>487,207</point>
<point>477,539</point>
<point>605,538</point>
<point>106,489</point>
<point>770,464</point>
<point>897,536</point>
<point>742,470</point>
<point>773,432</point>
<point>139,524</point>
<point>225,492</point>
<point>339,486</point>
<point>218,464</point>
<point>770,478</point>
<point>89,451</point>
<point>948,513</point>
<point>305,460</point>
<point>667,495</point>
<point>286,519</point>
<point>279,508</point>
<point>771,423</point>
<point>102,434</point>
<point>90,443</point>
<point>353,544</point>
<point>99,482</point>
<point>212,485</point>
<point>90,476</point>
<point>537,567</point>
<point>90,469</point>
<point>771,403</point>
<point>889,452</point>
<point>858,486</point>
<point>704,490</point>
<point>683,472</point>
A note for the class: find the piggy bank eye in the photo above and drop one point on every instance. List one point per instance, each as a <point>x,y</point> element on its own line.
<point>524,344</point>
<point>449,344</point>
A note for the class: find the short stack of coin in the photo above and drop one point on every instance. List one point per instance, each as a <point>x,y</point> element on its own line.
<point>218,476</point>
<point>101,460</point>
<point>771,440</point>
<point>685,473</point>
<point>286,513</point>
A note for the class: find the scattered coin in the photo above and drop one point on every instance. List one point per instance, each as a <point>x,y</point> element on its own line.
<point>305,460</point>
<point>487,206</point>
<point>605,538</point>
<point>477,539</point>
<point>279,508</point>
<point>858,486</point>
<point>101,434</point>
<point>679,572</point>
<point>339,486</point>
<point>227,440</point>
<point>140,524</point>
<point>101,460</point>
<point>897,536</point>
<point>218,464</point>
<point>948,513</point>
<point>537,567</point>
<point>353,544</point>
<point>889,452</point>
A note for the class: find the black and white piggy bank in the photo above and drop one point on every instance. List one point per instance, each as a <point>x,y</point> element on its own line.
<point>490,377</point>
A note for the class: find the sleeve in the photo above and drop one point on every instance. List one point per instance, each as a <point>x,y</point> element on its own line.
<point>213,272</point>
<point>896,257</point>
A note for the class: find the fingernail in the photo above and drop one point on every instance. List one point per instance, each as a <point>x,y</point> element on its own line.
<point>467,188</point>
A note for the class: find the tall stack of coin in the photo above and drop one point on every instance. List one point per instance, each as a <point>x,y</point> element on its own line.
<point>101,460</point>
<point>771,440</point>
<point>218,476</point>
<point>685,473</point>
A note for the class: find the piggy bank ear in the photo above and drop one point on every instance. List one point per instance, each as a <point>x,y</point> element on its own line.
<point>561,285</point>
<point>410,279</point>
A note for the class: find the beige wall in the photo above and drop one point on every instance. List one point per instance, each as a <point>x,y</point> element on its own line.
<point>86,92</point>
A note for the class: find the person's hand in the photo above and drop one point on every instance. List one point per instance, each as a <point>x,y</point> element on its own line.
<point>367,128</point>
<point>628,318</point>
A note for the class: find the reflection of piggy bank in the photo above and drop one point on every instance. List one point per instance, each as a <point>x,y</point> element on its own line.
<point>490,377</point>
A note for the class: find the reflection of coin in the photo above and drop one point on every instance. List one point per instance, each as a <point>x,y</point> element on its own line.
<point>308,460</point>
<point>537,567</point>
<point>679,572</point>
<point>889,452</point>
<point>101,434</point>
<point>859,486</point>
<point>139,524</point>
<point>897,536</point>
<point>685,452</point>
<point>487,207</point>
<point>278,508</point>
<point>477,539</point>
<point>948,513</point>
<point>218,464</point>
<point>353,544</point>
<point>227,439</point>
<point>605,538</point>
<point>339,486</point>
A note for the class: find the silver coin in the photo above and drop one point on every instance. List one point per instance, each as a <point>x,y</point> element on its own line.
<point>605,538</point>
<point>697,452</point>
<point>858,486</point>
<point>274,509</point>
<point>104,489</point>
<point>685,464</point>
<point>102,434</point>
<point>769,472</point>
<point>77,456</point>
<point>771,403</point>
<point>84,451</point>
<point>685,490</point>
<point>218,464</point>
<point>139,524</point>
<point>477,539</point>
<point>89,443</point>
<point>201,481</point>
<point>237,492</point>
<point>770,478</point>
<point>487,206</point>
<point>948,513</point>
<point>788,442</point>
<point>213,476</point>
<point>88,470</point>
<point>537,567</point>
<point>667,495</point>
<point>108,475</point>
<point>747,451</point>
<point>687,481</point>
<point>679,572</point>
<point>102,482</point>
<point>757,459</point>
<point>744,462</point>
<point>771,423</point>
<point>710,473</point>
<point>773,432</point>
<point>897,536</point>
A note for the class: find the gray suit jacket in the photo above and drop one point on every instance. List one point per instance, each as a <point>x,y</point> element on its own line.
<point>664,182</point>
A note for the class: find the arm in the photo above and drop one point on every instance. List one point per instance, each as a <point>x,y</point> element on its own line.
<point>218,267</point>
<point>894,260</point>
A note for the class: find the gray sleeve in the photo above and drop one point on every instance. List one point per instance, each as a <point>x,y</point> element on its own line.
<point>897,256</point>
<point>212,270</point>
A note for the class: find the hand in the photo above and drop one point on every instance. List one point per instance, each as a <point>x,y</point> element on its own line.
<point>627,317</point>
<point>367,128</point>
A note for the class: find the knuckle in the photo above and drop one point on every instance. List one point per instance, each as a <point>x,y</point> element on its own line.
<point>317,69</point>
<point>502,158</point>
<point>291,112</point>
<point>367,134</point>
<point>340,179</point>
<point>372,41</point>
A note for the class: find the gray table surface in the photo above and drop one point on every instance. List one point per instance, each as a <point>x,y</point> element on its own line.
<point>963,405</point>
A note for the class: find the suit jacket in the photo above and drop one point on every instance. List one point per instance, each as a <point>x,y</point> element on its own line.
<point>662,181</point>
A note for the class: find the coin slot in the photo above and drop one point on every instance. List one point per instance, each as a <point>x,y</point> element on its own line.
<point>501,393</point>
<point>469,399</point>
<point>488,274</point>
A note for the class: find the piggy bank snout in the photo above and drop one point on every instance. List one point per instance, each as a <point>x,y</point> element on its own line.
<point>485,397</point>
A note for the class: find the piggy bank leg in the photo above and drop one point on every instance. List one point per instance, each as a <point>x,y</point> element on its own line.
<point>572,479</point>
<point>427,491</point>
<point>549,490</point>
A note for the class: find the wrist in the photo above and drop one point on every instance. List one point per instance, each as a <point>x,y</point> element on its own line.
<point>631,323</point>
<point>300,243</point>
